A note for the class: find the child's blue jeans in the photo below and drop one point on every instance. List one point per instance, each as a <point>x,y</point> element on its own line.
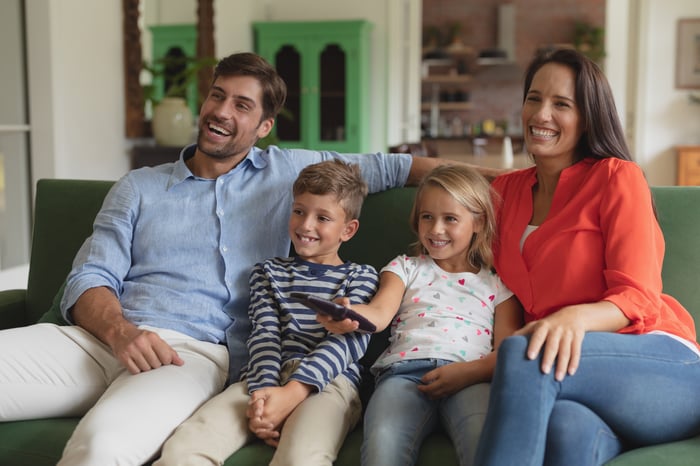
<point>399,417</point>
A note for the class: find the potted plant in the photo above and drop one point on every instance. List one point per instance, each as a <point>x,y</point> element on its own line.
<point>173,86</point>
<point>589,40</point>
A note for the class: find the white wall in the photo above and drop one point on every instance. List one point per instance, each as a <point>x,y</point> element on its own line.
<point>664,116</point>
<point>76,89</point>
<point>76,79</point>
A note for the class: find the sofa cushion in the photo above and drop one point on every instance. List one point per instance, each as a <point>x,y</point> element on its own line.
<point>53,315</point>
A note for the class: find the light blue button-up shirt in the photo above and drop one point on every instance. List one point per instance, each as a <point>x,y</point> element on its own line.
<point>178,250</point>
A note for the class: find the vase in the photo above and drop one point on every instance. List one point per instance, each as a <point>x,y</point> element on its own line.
<point>172,122</point>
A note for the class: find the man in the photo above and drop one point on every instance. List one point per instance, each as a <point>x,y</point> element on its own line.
<point>161,286</point>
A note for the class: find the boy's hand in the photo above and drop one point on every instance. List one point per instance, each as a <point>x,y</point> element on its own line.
<point>262,429</point>
<point>271,406</point>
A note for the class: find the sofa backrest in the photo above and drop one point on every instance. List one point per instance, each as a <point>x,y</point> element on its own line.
<point>65,210</point>
<point>678,211</point>
<point>63,216</point>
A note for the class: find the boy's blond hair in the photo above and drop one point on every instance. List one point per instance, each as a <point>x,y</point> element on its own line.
<point>338,178</point>
<point>473,192</point>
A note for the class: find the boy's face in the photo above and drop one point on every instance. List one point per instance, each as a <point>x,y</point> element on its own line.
<point>318,226</point>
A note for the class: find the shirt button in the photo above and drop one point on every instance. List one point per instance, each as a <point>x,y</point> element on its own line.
<point>224,248</point>
<point>220,212</point>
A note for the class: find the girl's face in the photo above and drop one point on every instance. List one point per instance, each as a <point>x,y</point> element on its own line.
<point>551,117</point>
<point>445,229</point>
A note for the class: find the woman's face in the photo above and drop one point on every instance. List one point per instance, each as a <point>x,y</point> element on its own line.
<point>551,118</point>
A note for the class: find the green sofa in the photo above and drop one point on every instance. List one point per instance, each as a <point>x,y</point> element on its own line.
<point>63,217</point>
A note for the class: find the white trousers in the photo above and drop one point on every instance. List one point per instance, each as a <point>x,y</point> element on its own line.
<point>56,371</point>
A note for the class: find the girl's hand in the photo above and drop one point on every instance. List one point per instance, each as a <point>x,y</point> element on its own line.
<point>559,336</point>
<point>451,378</point>
<point>337,326</point>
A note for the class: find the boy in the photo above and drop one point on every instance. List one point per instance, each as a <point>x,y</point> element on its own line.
<point>299,376</point>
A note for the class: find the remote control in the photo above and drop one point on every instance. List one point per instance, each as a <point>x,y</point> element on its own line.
<point>336,311</point>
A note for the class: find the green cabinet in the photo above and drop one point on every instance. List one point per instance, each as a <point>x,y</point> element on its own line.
<point>326,68</point>
<point>180,40</point>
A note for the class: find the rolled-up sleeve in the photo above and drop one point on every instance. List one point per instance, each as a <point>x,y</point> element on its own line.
<point>104,258</point>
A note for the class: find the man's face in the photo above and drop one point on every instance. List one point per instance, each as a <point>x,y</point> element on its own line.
<point>229,120</point>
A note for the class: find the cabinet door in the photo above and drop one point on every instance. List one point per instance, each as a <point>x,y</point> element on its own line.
<point>324,66</point>
<point>175,36</point>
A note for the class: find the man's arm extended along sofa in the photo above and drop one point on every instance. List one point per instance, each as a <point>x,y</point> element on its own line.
<point>65,210</point>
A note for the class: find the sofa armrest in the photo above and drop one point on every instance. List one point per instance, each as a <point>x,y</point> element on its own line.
<point>13,311</point>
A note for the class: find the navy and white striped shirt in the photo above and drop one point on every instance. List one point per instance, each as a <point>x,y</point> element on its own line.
<point>284,329</point>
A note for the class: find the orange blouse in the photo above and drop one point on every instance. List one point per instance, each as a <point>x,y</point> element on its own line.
<point>599,241</point>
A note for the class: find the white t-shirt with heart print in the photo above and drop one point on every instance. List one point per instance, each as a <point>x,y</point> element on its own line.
<point>442,315</point>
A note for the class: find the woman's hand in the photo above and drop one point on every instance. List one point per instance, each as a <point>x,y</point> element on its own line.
<point>560,334</point>
<point>559,337</point>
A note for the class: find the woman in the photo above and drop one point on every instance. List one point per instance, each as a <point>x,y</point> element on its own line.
<point>606,361</point>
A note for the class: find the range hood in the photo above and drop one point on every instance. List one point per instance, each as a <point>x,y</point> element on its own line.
<point>504,53</point>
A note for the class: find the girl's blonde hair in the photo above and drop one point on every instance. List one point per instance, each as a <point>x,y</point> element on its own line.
<point>473,192</point>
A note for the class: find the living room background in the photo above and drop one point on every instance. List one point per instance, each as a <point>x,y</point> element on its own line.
<point>76,93</point>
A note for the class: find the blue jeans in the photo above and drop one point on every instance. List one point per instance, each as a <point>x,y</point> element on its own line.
<point>399,417</point>
<point>629,391</point>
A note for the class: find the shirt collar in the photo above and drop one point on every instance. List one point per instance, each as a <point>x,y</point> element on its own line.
<point>180,171</point>
<point>256,157</point>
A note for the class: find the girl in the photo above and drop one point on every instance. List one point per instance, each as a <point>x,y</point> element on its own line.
<point>442,304</point>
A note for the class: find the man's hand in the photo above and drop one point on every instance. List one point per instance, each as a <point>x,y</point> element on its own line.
<point>142,350</point>
<point>99,312</point>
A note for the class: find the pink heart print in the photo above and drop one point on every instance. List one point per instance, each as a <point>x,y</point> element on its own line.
<point>460,281</point>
